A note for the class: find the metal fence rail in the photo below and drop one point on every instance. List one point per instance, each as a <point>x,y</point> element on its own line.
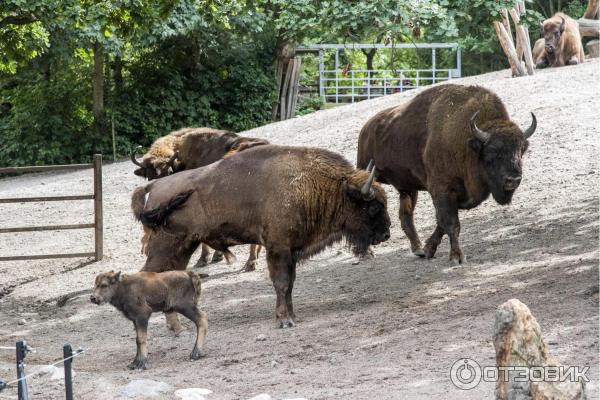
<point>97,197</point>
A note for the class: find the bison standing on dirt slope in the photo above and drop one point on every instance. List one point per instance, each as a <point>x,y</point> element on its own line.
<point>294,201</point>
<point>456,142</point>
<point>561,44</point>
<point>190,148</point>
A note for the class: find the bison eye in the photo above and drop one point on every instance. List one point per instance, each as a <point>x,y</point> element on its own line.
<point>374,209</point>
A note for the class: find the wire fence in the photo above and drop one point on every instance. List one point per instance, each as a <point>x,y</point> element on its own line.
<point>21,348</point>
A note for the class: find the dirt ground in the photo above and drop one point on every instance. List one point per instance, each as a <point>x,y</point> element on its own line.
<point>388,328</point>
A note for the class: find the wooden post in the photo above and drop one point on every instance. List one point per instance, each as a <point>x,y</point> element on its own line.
<point>98,222</point>
<point>522,40</point>
<point>290,92</point>
<point>509,49</point>
<point>295,88</point>
<point>284,90</point>
<point>593,10</point>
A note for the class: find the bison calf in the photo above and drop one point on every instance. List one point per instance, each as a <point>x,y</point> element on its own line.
<point>138,295</point>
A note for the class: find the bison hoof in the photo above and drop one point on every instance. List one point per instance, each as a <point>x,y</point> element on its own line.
<point>250,266</point>
<point>196,354</point>
<point>419,252</point>
<point>458,258</point>
<point>202,262</point>
<point>138,364</point>
<point>429,251</point>
<point>286,323</point>
<point>217,256</point>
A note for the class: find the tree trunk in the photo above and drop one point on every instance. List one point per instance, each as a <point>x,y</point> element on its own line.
<point>98,89</point>
<point>370,57</point>
<point>285,52</point>
<point>118,73</point>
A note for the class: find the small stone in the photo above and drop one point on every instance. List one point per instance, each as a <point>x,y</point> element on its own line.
<point>145,388</point>
<point>192,393</point>
<point>408,356</point>
<point>417,277</point>
<point>261,338</point>
<point>273,363</point>
<point>22,322</point>
<point>262,396</point>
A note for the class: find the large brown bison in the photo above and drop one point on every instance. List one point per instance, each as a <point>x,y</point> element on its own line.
<point>294,201</point>
<point>561,44</point>
<point>190,148</point>
<point>456,142</point>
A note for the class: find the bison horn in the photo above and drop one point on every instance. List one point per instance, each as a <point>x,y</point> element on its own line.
<point>133,159</point>
<point>172,159</point>
<point>529,131</point>
<point>367,190</point>
<point>562,24</point>
<point>479,134</point>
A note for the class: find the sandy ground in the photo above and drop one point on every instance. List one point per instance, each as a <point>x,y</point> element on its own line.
<point>385,329</point>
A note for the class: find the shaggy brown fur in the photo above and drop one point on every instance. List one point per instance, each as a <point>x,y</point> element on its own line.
<point>294,201</point>
<point>138,295</point>
<point>194,148</point>
<point>427,144</point>
<point>561,44</point>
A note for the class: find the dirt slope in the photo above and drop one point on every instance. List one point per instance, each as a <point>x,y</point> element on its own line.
<point>387,329</point>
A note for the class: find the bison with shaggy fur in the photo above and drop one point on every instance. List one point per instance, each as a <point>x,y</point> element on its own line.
<point>456,142</point>
<point>190,148</point>
<point>294,201</point>
<point>561,44</point>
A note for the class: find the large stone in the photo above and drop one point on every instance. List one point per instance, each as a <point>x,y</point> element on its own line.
<point>518,342</point>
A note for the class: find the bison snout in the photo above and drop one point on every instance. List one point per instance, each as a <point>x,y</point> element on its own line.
<point>549,49</point>
<point>512,182</point>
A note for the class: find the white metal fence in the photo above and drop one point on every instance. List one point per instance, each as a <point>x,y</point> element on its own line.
<point>340,85</point>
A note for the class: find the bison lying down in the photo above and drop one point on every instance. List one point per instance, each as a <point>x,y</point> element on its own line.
<point>190,148</point>
<point>456,142</point>
<point>137,296</point>
<point>294,201</point>
<point>561,44</point>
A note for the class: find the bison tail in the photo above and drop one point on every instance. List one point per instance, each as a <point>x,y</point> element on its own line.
<point>157,217</point>
<point>138,201</point>
<point>197,283</point>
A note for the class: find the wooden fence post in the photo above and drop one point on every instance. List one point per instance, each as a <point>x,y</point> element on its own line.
<point>98,220</point>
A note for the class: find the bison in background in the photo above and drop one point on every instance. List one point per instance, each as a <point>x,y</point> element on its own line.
<point>190,148</point>
<point>295,201</point>
<point>456,142</point>
<point>561,44</point>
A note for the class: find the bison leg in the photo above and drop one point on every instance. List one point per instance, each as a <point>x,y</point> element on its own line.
<point>280,265</point>
<point>200,319</point>
<point>173,323</point>
<point>433,242</point>
<point>573,60</point>
<point>203,260</point>
<point>446,212</point>
<point>253,258</point>
<point>408,201</point>
<point>141,332</point>
<point>217,256</point>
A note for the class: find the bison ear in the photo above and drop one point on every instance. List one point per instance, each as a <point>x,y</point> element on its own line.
<point>475,144</point>
<point>116,277</point>
<point>353,193</point>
